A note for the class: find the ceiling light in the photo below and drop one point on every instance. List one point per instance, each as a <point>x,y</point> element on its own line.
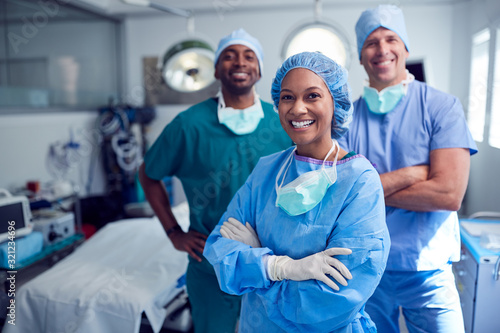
<point>317,35</point>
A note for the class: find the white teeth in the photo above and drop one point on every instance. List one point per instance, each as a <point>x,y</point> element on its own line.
<point>302,124</point>
<point>239,74</point>
<point>387,62</point>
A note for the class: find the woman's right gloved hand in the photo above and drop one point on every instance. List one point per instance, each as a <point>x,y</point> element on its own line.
<point>316,266</point>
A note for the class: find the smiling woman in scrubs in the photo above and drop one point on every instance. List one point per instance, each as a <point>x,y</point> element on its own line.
<point>308,214</point>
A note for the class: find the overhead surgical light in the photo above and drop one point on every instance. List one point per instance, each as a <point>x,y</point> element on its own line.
<point>318,35</point>
<point>188,65</point>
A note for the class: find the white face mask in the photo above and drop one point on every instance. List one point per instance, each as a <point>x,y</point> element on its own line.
<point>304,193</point>
<point>240,122</point>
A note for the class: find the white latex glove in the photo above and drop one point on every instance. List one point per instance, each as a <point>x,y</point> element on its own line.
<point>235,230</point>
<point>315,266</point>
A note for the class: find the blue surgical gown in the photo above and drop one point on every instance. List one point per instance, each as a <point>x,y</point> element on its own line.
<point>351,215</point>
<point>425,119</point>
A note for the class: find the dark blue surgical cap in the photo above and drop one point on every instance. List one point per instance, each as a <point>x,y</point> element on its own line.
<point>335,78</point>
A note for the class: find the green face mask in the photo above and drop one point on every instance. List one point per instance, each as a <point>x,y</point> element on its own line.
<point>240,122</point>
<point>386,100</point>
<point>305,192</point>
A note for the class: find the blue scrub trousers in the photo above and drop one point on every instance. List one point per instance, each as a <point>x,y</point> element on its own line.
<point>429,300</point>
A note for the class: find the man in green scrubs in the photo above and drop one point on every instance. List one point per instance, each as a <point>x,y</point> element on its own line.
<point>212,147</point>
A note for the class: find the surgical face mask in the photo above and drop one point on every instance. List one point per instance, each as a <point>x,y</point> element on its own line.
<point>304,193</point>
<point>240,122</point>
<point>386,100</point>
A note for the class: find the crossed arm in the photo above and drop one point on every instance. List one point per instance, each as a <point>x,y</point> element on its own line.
<point>439,186</point>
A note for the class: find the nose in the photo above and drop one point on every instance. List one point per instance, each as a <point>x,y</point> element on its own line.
<point>383,48</point>
<point>298,108</point>
<point>240,61</point>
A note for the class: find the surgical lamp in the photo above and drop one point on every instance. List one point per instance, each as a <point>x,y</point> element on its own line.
<point>188,65</point>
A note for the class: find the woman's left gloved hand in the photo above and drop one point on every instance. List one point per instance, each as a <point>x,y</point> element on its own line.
<point>235,230</point>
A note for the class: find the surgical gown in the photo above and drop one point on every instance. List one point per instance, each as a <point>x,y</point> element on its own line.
<point>351,215</point>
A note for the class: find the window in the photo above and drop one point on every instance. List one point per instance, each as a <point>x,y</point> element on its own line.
<point>318,36</point>
<point>494,137</point>
<point>478,88</point>
<point>53,55</point>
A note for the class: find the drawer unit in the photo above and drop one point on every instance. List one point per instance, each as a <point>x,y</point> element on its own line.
<point>478,283</point>
<point>465,276</point>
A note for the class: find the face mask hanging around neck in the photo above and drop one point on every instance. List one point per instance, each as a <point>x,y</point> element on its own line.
<point>305,192</point>
<point>240,122</point>
<point>386,100</point>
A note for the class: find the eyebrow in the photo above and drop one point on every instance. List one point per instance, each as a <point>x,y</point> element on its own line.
<point>308,89</point>
<point>230,49</point>
<point>372,39</point>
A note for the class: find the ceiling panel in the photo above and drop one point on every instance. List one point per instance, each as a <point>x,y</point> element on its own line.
<point>117,7</point>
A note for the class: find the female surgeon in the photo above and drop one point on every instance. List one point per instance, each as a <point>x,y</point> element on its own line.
<point>307,212</point>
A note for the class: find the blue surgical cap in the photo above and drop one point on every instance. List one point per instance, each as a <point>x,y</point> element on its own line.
<point>386,16</point>
<point>241,37</point>
<point>335,78</point>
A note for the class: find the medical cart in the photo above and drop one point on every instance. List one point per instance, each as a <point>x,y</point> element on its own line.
<point>477,278</point>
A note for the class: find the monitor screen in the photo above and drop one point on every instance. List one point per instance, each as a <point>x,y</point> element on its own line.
<point>11,212</point>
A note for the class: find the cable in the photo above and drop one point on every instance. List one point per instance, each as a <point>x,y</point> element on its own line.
<point>127,150</point>
<point>112,121</point>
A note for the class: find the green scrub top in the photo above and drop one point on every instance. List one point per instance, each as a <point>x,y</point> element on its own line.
<point>211,162</point>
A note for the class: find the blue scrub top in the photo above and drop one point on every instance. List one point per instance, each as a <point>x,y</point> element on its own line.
<point>351,215</point>
<point>425,119</point>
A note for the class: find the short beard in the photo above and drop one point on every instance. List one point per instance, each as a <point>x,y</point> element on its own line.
<point>237,91</point>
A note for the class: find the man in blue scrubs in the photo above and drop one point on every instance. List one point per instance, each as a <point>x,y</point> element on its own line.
<point>419,142</point>
<point>212,147</point>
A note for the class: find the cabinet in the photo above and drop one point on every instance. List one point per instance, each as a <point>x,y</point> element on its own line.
<point>478,283</point>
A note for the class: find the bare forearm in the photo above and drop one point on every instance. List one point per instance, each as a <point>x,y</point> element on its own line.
<point>191,242</point>
<point>445,188</point>
<point>425,196</point>
<point>403,178</point>
<point>157,196</point>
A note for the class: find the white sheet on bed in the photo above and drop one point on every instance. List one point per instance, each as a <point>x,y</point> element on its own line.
<point>126,268</point>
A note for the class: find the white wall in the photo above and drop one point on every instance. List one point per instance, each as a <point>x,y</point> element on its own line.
<point>25,141</point>
<point>483,192</point>
<point>151,36</point>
